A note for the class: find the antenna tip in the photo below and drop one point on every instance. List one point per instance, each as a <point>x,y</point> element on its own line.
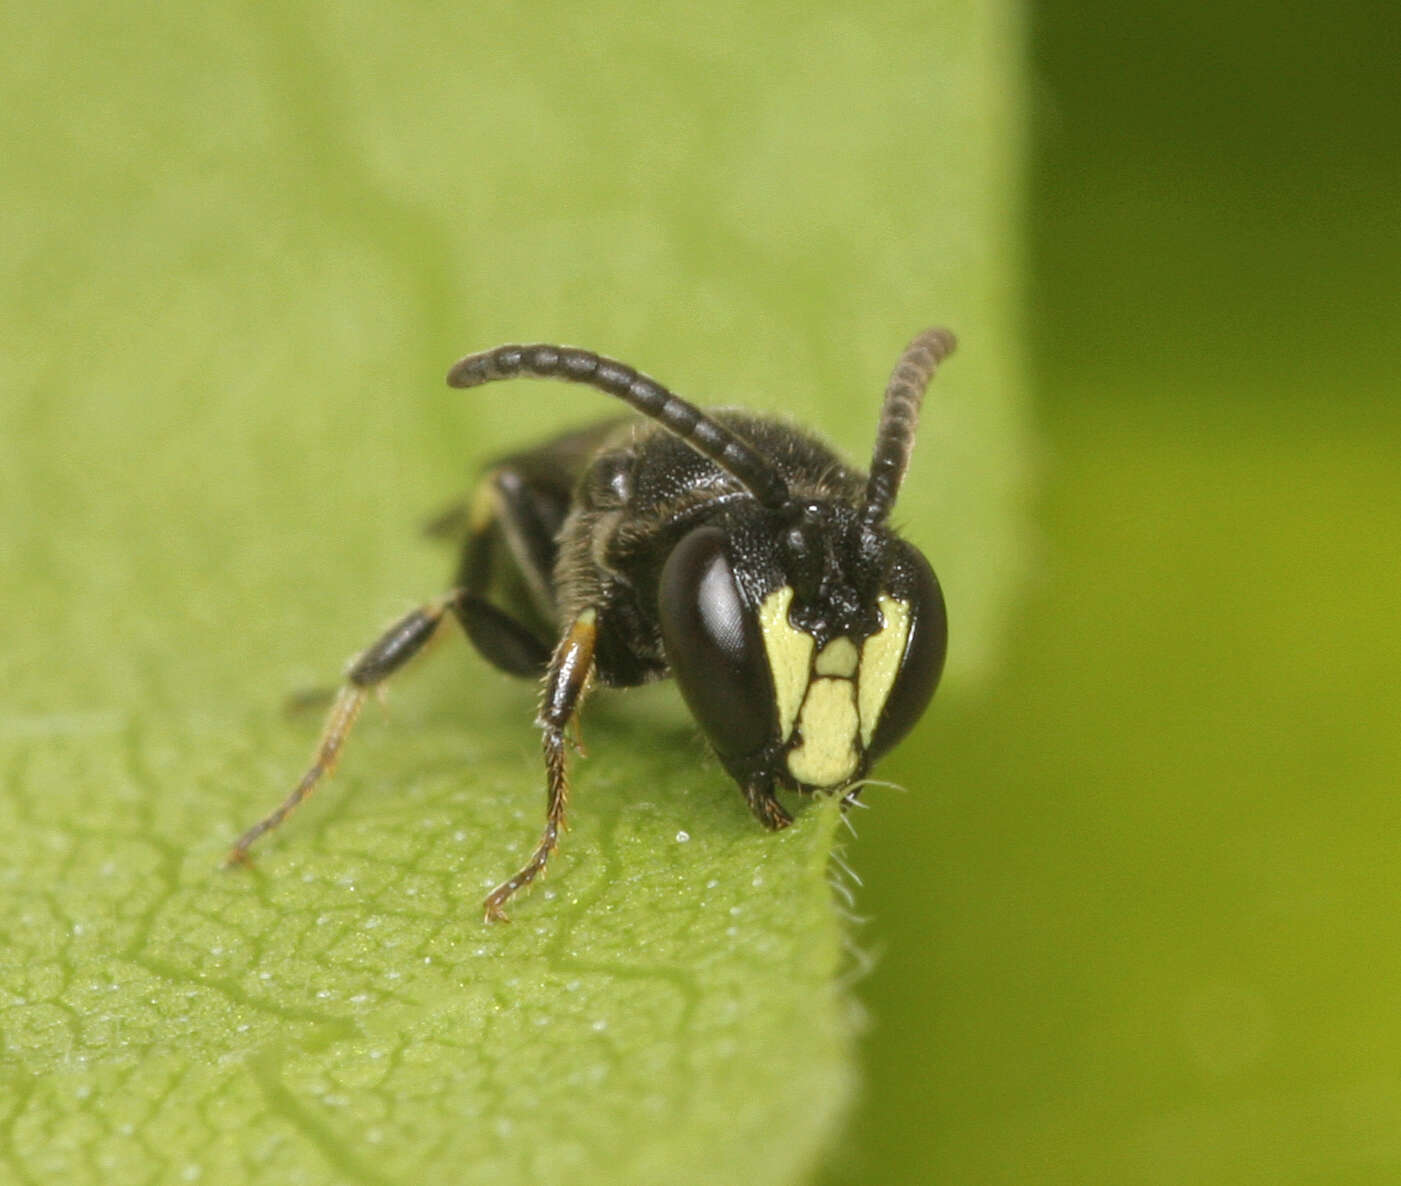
<point>465,372</point>
<point>939,340</point>
<point>474,370</point>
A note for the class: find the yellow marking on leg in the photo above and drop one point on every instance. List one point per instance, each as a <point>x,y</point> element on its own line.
<point>485,505</point>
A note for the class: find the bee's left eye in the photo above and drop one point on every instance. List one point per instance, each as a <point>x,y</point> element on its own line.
<point>714,647</point>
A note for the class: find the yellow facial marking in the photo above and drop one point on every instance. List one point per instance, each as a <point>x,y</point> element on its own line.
<point>880,662</point>
<point>838,657</point>
<point>834,699</point>
<point>827,756</point>
<point>790,657</point>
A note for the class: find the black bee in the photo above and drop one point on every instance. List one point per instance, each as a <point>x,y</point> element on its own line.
<point>735,552</point>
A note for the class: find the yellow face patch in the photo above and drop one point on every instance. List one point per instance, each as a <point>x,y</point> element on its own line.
<point>827,756</point>
<point>834,698</point>
<point>790,657</point>
<point>880,662</point>
<point>838,657</point>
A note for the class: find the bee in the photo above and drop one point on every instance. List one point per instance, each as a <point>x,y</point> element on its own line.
<point>732,551</point>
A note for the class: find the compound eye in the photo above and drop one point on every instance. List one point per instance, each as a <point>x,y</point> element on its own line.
<point>915,595</point>
<point>714,647</point>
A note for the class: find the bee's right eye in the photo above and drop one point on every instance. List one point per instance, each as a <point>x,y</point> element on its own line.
<point>714,646</point>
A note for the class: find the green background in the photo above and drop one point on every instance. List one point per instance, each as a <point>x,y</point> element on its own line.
<point>1151,932</point>
<point>1134,921</point>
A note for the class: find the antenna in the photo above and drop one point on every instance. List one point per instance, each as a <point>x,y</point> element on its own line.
<point>704,435</point>
<point>899,417</point>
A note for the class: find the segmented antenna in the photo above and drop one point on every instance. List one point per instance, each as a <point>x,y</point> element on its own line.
<point>895,437</point>
<point>649,397</point>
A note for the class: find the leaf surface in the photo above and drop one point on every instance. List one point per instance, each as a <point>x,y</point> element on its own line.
<point>241,247</point>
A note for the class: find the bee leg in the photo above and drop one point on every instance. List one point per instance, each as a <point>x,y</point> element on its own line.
<point>449,524</point>
<point>765,806</point>
<point>511,539</point>
<point>502,640</point>
<point>395,647</point>
<point>565,684</point>
<point>529,521</point>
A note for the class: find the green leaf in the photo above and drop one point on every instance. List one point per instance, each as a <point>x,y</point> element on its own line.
<point>342,1012</point>
<point>242,247</point>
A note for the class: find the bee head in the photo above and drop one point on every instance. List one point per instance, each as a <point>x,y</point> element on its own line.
<point>806,637</point>
<point>805,649</point>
